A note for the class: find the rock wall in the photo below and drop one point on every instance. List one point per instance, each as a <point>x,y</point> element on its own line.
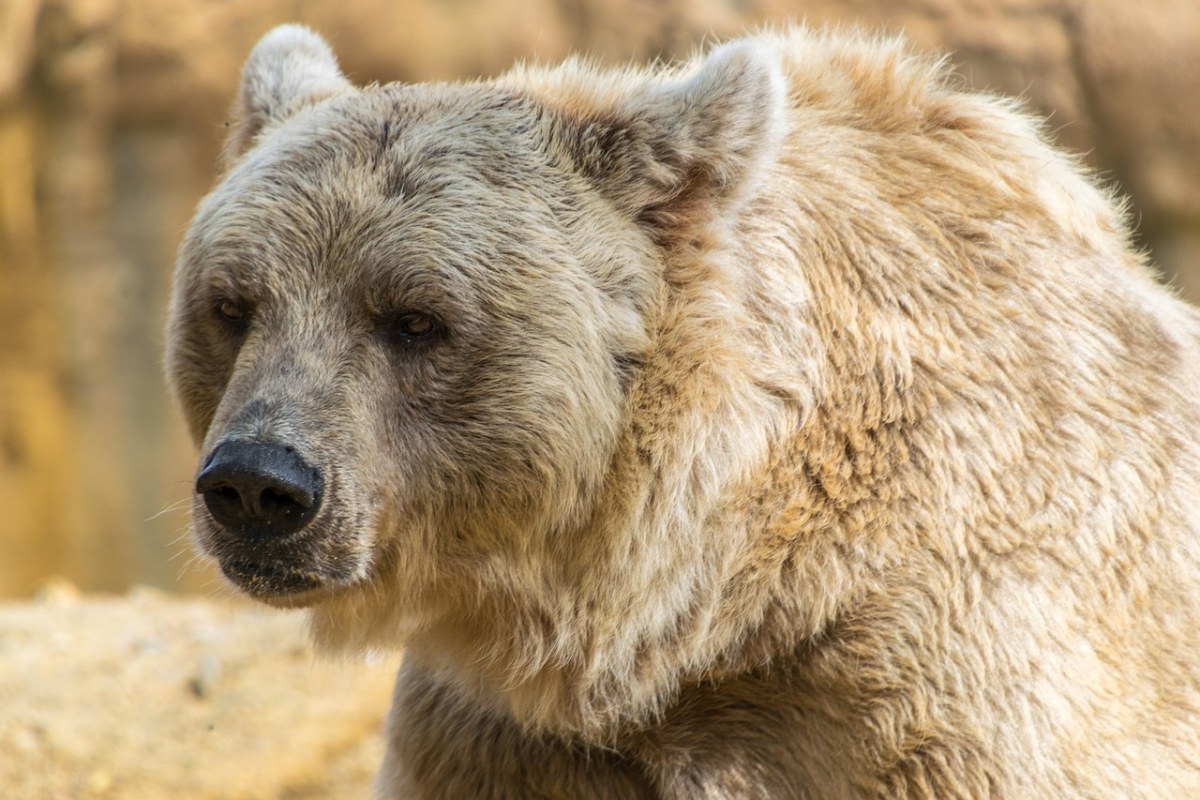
<point>110,122</point>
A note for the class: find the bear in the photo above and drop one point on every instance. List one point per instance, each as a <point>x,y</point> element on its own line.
<point>790,421</point>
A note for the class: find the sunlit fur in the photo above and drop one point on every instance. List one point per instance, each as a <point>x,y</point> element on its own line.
<point>804,426</point>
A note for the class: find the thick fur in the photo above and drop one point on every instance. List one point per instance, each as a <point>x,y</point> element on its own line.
<point>796,424</point>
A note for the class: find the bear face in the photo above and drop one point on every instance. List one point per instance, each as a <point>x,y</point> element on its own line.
<point>367,294</point>
<point>406,322</point>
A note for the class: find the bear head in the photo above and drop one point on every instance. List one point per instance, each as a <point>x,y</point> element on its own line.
<point>407,323</point>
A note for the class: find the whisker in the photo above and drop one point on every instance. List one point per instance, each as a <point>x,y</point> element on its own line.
<point>178,505</point>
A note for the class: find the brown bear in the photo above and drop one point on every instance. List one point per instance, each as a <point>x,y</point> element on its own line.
<point>786,423</point>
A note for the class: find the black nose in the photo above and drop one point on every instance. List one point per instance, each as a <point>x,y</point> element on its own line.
<point>260,487</point>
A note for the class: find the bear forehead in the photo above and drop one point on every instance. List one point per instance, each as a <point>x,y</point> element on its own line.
<point>389,186</point>
<point>448,155</point>
<point>425,128</point>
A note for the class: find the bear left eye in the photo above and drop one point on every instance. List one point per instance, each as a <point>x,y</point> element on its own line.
<point>415,325</point>
<point>232,312</point>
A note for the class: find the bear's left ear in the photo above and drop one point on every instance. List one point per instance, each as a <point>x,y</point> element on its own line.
<point>290,68</point>
<point>689,148</point>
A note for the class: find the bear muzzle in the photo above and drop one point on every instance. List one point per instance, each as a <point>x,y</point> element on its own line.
<point>260,497</point>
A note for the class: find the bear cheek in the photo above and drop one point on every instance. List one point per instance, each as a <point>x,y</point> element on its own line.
<point>198,382</point>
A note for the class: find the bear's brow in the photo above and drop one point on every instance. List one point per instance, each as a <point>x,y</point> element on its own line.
<point>399,184</point>
<point>383,142</point>
<point>401,180</point>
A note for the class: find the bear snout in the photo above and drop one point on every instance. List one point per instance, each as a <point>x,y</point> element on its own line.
<point>260,488</point>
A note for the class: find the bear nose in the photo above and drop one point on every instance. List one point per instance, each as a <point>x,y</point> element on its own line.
<point>260,487</point>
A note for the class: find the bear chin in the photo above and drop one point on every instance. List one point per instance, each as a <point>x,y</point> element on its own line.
<point>271,580</point>
<point>280,585</point>
<point>297,571</point>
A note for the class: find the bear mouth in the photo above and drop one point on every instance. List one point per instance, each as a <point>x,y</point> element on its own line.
<point>266,581</point>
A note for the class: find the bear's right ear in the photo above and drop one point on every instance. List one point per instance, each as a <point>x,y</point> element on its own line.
<point>290,68</point>
<point>677,149</point>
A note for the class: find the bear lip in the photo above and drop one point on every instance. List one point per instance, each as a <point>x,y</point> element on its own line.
<point>264,581</point>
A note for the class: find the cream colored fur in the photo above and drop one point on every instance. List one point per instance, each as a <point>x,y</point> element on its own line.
<point>801,425</point>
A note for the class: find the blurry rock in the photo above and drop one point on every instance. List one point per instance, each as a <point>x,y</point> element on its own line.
<point>57,593</point>
<point>17,21</point>
<point>1140,63</point>
<point>99,698</point>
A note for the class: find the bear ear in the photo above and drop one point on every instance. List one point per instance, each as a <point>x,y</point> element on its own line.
<point>290,68</point>
<point>690,148</point>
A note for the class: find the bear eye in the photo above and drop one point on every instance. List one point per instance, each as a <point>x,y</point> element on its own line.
<point>415,325</point>
<point>236,313</point>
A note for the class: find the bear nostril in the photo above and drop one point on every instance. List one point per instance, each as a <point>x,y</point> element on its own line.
<point>227,494</point>
<point>273,503</point>
<point>260,487</point>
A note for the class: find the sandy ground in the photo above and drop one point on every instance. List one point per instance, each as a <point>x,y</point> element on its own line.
<point>152,696</point>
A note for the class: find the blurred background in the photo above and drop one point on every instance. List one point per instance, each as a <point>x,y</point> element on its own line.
<point>111,119</point>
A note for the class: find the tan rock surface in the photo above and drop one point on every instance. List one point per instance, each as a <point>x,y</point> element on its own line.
<point>146,696</point>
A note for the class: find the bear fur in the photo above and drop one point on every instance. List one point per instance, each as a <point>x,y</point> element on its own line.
<point>786,423</point>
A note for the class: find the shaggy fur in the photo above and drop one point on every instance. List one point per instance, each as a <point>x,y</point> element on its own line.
<point>794,424</point>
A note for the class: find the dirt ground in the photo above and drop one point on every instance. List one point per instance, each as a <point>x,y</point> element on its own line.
<point>152,696</point>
